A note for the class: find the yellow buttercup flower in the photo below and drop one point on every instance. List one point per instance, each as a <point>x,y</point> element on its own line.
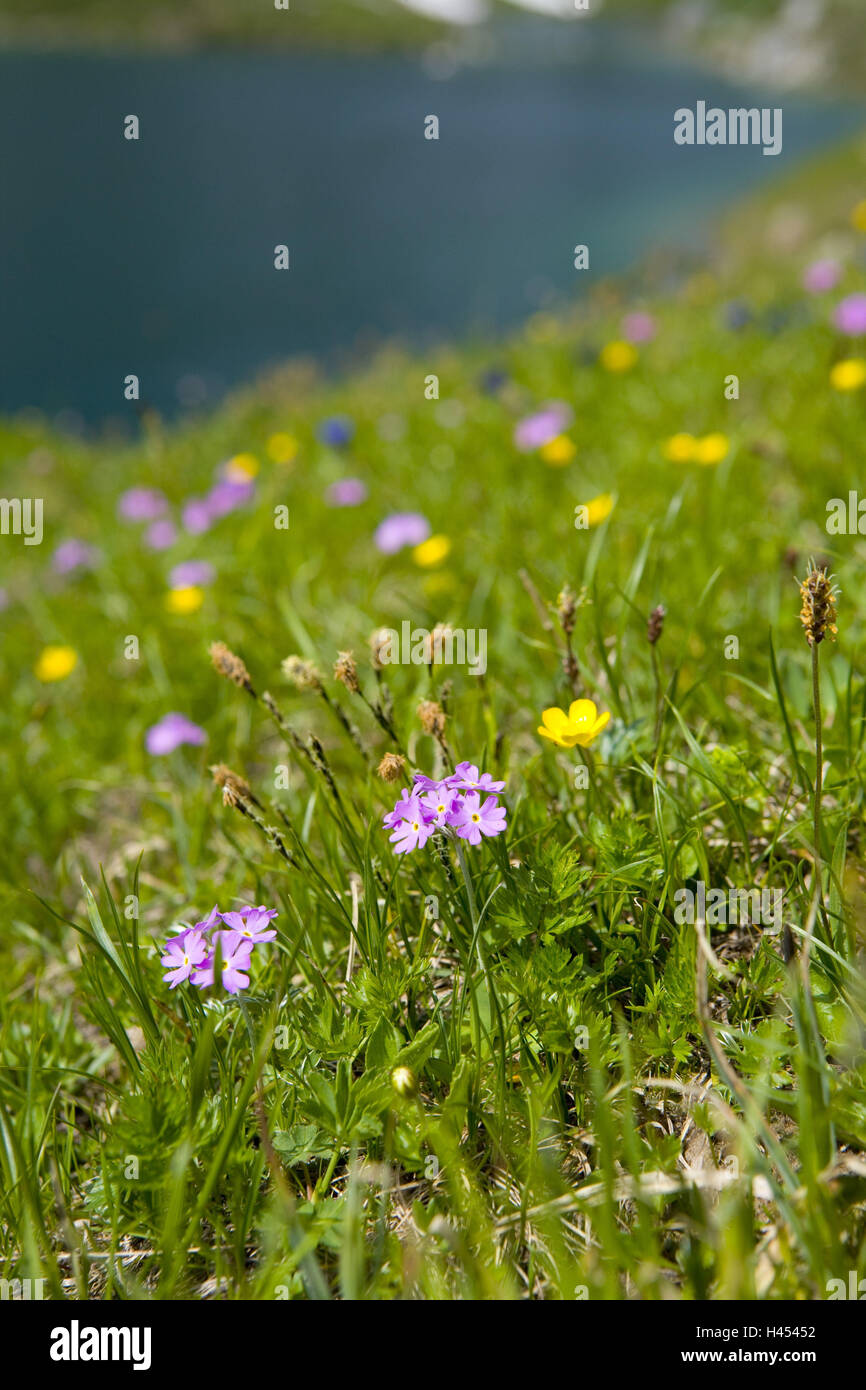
<point>559,451</point>
<point>711,448</point>
<point>281,447</point>
<point>680,448</point>
<point>858,216</point>
<point>431,552</point>
<point>580,726</point>
<point>848,375</point>
<point>618,356</point>
<point>592,513</point>
<point>242,467</point>
<point>186,600</point>
<point>56,663</point>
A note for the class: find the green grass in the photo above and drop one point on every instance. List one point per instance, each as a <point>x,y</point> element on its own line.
<point>576,1051</point>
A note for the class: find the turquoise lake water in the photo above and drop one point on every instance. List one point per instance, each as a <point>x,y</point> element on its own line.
<point>156,257</point>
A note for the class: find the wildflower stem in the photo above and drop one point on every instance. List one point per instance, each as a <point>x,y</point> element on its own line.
<point>473,907</point>
<point>470,892</point>
<point>349,728</point>
<point>659,705</point>
<point>819,749</point>
<point>819,790</point>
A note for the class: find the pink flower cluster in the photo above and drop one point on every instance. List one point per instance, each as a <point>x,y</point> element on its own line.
<point>191,955</point>
<point>453,805</point>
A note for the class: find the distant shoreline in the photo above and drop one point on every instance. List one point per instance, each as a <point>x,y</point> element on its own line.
<point>753,42</point>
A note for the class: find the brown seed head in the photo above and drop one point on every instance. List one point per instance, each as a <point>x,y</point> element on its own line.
<point>432,717</point>
<point>234,789</point>
<point>566,610</point>
<point>818,614</point>
<point>230,666</point>
<point>391,767</point>
<point>346,672</point>
<point>302,674</point>
<point>434,645</point>
<point>655,625</point>
<point>379,641</point>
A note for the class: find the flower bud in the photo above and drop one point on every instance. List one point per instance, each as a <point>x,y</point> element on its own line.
<point>655,624</point>
<point>405,1082</point>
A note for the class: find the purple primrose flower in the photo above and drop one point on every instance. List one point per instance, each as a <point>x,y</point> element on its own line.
<point>171,731</point>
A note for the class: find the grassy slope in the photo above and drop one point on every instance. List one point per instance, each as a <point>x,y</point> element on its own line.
<point>512,1118</point>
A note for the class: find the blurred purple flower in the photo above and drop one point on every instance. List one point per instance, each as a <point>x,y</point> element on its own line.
<point>336,431</point>
<point>191,572</point>
<point>347,492</point>
<point>638,327</point>
<point>73,555</point>
<point>171,731</point>
<point>493,380</point>
<point>737,314</point>
<point>821,276</point>
<point>226,495</point>
<point>160,535</point>
<point>534,431</point>
<point>142,504</point>
<point>196,516</point>
<point>401,529</point>
<point>850,315</point>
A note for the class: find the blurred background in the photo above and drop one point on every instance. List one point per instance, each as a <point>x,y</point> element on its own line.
<point>306,127</point>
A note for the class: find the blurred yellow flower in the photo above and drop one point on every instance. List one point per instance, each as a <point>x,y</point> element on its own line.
<point>595,511</point>
<point>431,552</point>
<point>858,216</point>
<point>186,600</point>
<point>559,451</point>
<point>848,375</point>
<point>711,448</point>
<point>618,356</point>
<point>580,726</point>
<point>242,467</point>
<point>680,448</point>
<point>282,448</point>
<point>56,663</point>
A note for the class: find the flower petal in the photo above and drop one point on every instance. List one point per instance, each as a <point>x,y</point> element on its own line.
<point>554,719</point>
<point>582,712</point>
